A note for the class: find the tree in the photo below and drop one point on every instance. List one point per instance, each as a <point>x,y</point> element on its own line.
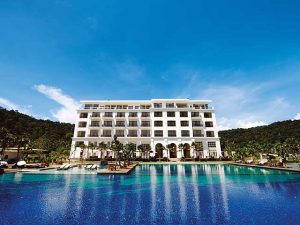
<point>145,149</point>
<point>116,146</point>
<point>102,147</point>
<point>128,151</point>
<point>6,140</point>
<point>180,147</point>
<point>21,142</point>
<point>91,146</point>
<point>197,147</point>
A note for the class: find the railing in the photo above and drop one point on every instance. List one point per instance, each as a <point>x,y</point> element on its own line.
<point>197,125</point>
<point>198,135</point>
<point>94,125</point>
<point>93,135</point>
<point>120,125</point>
<point>132,135</point>
<point>145,135</point>
<point>106,135</point>
<point>107,125</point>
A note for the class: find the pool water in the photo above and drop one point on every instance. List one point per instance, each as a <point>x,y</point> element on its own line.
<point>153,194</point>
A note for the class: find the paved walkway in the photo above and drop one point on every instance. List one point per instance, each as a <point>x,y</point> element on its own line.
<point>267,167</point>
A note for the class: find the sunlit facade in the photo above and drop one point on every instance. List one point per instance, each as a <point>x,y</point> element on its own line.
<point>170,126</point>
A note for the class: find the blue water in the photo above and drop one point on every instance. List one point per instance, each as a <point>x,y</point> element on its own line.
<point>153,194</point>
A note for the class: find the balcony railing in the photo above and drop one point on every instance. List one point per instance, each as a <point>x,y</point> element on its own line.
<point>197,125</point>
<point>93,135</point>
<point>94,125</point>
<point>198,135</point>
<point>120,125</point>
<point>145,135</point>
<point>107,125</point>
<point>132,135</point>
<point>106,135</point>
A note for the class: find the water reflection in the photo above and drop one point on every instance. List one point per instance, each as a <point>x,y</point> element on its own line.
<point>161,194</point>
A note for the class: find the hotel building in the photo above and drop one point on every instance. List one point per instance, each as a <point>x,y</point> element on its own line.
<point>179,123</point>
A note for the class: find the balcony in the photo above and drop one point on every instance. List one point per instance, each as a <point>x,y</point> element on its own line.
<point>120,125</point>
<point>145,135</point>
<point>93,135</point>
<point>106,135</point>
<point>197,125</point>
<point>94,125</point>
<point>198,135</point>
<point>132,135</point>
<point>107,125</point>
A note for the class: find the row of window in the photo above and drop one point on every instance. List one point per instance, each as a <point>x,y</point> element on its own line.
<point>158,123</point>
<point>144,133</point>
<point>145,114</point>
<point>147,106</point>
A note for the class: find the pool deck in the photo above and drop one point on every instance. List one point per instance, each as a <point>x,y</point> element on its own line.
<point>121,171</point>
<point>266,167</point>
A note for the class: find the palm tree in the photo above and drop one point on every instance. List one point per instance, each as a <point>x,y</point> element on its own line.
<point>82,150</point>
<point>21,142</point>
<point>116,147</point>
<point>145,148</point>
<point>102,147</point>
<point>128,150</point>
<point>180,147</point>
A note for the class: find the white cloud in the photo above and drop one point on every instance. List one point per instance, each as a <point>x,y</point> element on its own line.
<point>67,113</point>
<point>297,117</point>
<point>12,106</point>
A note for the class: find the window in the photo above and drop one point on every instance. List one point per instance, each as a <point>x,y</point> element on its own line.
<point>171,133</point>
<point>157,114</point>
<point>185,133</point>
<point>106,133</point>
<point>157,105</point>
<point>120,133</point>
<point>211,144</point>
<point>94,133</point>
<point>207,115</point>
<point>95,114</point>
<point>195,114</point>
<point>197,133</point>
<point>184,123</point>
<point>209,124</point>
<point>82,124</point>
<point>158,133</point>
<point>145,133</point>
<point>133,124</point>
<point>83,115</point>
<point>120,114</point>
<point>171,123</point>
<point>132,114</point>
<point>95,124</point>
<point>158,123</point>
<point>182,105</point>
<point>81,134</point>
<point>132,133</point>
<point>120,124</point>
<point>145,114</point>
<point>145,124</point>
<point>170,105</point>
<point>107,124</point>
<point>171,114</point>
<point>183,114</point>
<point>108,114</point>
<point>196,123</point>
<point>210,134</point>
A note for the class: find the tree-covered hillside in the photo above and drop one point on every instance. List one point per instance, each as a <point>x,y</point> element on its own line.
<point>275,132</point>
<point>43,134</point>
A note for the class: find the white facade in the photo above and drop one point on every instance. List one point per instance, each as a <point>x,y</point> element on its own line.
<point>156,121</point>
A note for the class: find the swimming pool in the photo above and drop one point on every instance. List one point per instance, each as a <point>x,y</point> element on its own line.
<point>154,194</point>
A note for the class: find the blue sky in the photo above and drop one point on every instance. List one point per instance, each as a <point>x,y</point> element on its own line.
<point>244,55</point>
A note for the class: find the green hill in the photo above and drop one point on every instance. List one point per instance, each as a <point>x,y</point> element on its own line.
<point>275,132</point>
<point>43,134</point>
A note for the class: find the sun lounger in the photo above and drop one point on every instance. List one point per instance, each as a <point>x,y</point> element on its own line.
<point>262,161</point>
<point>94,167</point>
<point>61,167</point>
<point>249,161</point>
<point>88,167</point>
